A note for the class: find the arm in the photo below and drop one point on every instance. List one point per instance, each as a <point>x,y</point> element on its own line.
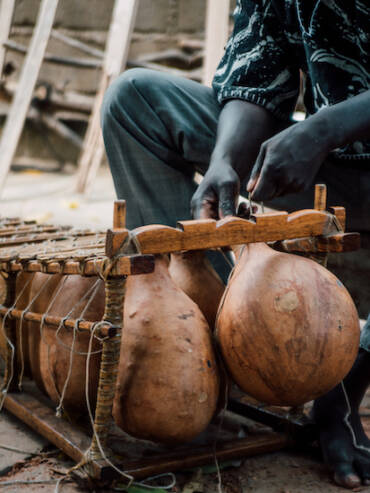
<point>242,128</point>
<point>289,161</point>
<point>257,83</point>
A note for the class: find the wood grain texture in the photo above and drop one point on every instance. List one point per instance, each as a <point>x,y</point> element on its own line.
<point>320,197</point>
<point>30,70</point>
<point>208,233</point>
<point>217,32</point>
<point>6,17</point>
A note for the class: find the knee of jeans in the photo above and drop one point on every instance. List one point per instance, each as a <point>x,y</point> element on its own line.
<point>125,91</point>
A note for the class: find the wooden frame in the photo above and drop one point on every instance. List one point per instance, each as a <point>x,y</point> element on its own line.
<point>131,254</point>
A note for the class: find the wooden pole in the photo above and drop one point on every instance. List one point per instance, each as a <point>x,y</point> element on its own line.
<point>217,32</point>
<point>6,17</point>
<point>320,197</point>
<point>30,70</point>
<point>116,53</point>
<point>113,313</point>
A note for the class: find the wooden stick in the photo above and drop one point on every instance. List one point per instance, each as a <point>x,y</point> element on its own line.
<point>124,266</point>
<point>119,214</point>
<point>217,31</point>
<point>104,330</point>
<point>75,43</point>
<point>320,197</point>
<point>61,129</point>
<point>30,70</point>
<point>118,42</point>
<point>57,59</point>
<point>6,17</point>
<point>114,296</point>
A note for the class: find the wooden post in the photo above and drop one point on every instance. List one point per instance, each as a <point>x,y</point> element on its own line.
<point>6,17</point>
<point>217,32</point>
<point>320,197</point>
<point>114,297</point>
<point>116,53</point>
<point>10,373</point>
<point>30,70</point>
<point>119,214</point>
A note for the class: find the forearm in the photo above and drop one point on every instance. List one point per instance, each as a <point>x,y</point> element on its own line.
<point>242,128</point>
<point>345,122</point>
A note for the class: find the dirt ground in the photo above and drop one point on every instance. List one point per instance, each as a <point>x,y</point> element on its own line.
<point>50,198</point>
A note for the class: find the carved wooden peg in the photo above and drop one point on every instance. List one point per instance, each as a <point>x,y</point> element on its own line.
<point>340,214</point>
<point>320,197</point>
<point>119,214</point>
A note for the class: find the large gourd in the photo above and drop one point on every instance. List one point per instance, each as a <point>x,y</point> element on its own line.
<point>194,274</point>
<point>53,358</point>
<point>287,327</point>
<point>168,381</point>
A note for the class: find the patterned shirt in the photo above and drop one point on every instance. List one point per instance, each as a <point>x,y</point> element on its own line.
<point>329,40</point>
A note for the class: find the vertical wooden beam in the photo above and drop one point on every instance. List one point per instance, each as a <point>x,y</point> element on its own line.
<point>116,53</point>
<point>217,32</point>
<point>119,214</point>
<point>6,17</point>
<point>30,70</point>
<point>9,326</point>
<point>320,197</point>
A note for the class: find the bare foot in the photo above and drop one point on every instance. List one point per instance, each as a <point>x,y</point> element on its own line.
<point>344,444</point>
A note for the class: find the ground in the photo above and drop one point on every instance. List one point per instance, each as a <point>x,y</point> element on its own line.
<point>49,197</point>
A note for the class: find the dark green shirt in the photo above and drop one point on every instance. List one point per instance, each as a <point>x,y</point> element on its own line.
<point>272,40</point>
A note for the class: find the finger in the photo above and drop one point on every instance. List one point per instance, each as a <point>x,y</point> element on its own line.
<point>256,170</point>
<point>227,199</point>
<point>244,210</point>
<point>266,187</point>
<point>203,209</point>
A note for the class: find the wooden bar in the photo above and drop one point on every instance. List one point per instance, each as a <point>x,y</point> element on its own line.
<point>280,419</point>
<point>41,418</point>
<point>205,234</point>
<point>196,456</point>
<point>30,409</point>
<point>341,242</point>
<point>83,325</point>
<point>30,70</point>
<point>124,266</point>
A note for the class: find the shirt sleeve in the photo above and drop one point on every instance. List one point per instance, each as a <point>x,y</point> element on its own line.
<point>258,65</point>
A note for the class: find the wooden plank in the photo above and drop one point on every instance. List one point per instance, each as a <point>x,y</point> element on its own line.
<point>116,53</point>
<point>6,17</point>
<point>32,410</point>
<point>124,266</point>
<point>196,456</point>
<point>57,59</point>
<point>217,32</point>
<point>341,242</point>
<point>30,70</point>
<point>280,419</point>
<point>75,43</point>
<point>204,234</point>
<point>42,419</point>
